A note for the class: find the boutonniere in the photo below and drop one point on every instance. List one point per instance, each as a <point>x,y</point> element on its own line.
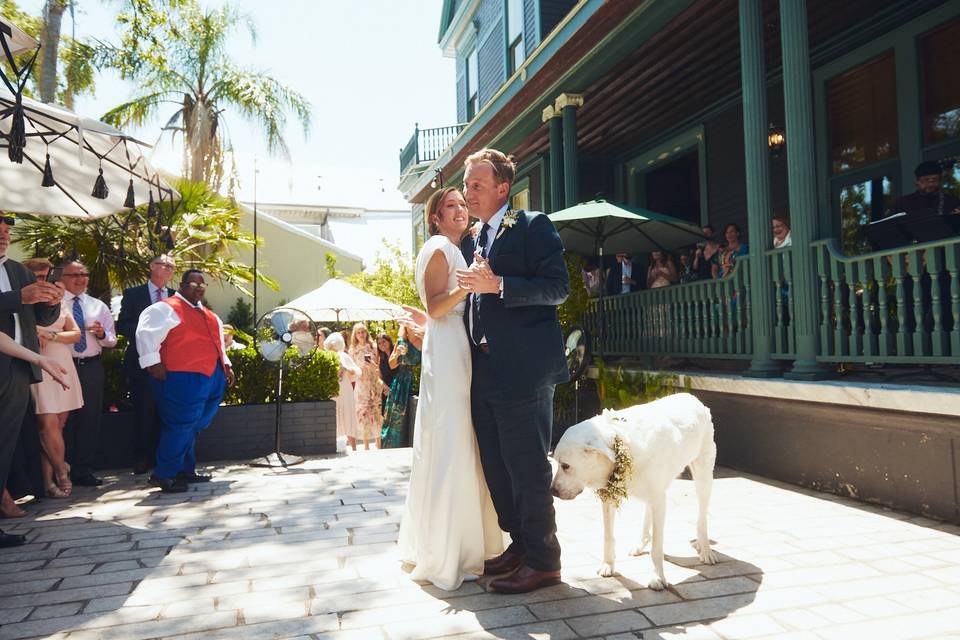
<point>475,229</point>
<point>509,219</point>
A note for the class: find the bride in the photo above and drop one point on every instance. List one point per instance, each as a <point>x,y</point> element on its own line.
<point>449,526</point>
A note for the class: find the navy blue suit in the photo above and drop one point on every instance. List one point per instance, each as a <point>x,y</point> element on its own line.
<point>146,431</point>
<point>514,379</point>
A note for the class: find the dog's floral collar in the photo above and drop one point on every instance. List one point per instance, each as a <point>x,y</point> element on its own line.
<point>615,490</point>
<point>509,219</point>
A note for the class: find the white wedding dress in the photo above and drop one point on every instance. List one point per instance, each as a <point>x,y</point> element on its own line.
<point>449,526</point>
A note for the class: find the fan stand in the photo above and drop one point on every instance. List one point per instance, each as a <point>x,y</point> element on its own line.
<point>277,459</point>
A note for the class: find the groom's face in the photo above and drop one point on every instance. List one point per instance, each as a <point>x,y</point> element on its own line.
<point>483,193</point>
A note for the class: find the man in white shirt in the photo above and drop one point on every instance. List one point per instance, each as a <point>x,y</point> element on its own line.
<point>96,333</point>
<point>24,304</point>
<point>620,278</point>
<point>181,347</point>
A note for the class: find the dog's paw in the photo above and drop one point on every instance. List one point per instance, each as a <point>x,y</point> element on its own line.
<point>706,554</point>
<point>657,583</point>
<point>606,570</point>
<point>639,550</point>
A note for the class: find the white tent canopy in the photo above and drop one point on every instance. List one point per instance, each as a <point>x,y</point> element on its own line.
<point>76,146</point>
<point>337,301</point>
<point>17,40</point>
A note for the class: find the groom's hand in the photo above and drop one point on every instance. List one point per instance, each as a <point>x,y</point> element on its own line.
<point>479,278</point>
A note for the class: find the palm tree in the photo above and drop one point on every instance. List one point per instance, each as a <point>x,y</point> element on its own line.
<point>197,75</point>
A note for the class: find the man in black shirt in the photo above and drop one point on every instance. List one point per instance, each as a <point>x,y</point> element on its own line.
<point>928,199</point>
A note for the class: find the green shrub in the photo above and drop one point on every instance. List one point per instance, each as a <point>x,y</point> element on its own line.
<point>306,379</point>
<point>619,389</point>
<point>115,392</point>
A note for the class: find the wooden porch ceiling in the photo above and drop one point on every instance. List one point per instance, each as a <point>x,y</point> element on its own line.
<point>685,68</point>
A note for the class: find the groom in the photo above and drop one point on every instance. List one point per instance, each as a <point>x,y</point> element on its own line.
<point>516,277</point>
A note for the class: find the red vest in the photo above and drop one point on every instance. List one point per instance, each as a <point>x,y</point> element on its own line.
<point>193,345</point>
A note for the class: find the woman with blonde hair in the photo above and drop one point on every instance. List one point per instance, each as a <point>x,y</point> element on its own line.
<point>346,402</point>
<point>368,389</point>
<point>54,403</point>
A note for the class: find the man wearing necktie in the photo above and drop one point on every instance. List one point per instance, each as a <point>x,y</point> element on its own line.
<point>93,317</point>
<point>516,279</point>
<point>146,432</point>
<point>24,304</point>
<point>181,347</point>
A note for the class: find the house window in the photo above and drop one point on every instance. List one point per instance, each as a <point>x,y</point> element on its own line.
<point>520,201</point>
<point>939,55</point>
<point>515,48</point>
<point>472,80</point>
<point>860,204</point>
<point>862,112</point>
<point>674,188</point>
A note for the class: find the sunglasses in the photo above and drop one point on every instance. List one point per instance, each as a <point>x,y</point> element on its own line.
<point>8,220</point>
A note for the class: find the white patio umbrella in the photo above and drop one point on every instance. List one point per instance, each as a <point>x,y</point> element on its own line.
<point>337,301</point>
<point>67,153</point>
<point>17,40</point>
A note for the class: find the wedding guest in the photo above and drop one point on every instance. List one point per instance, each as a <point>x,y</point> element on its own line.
<point>686,272</point>
<point>181,346</point>
<point>24,304</point>
<point>368,386</point>
<point>705,255</point>
<point>388,367</point>
<point>661,272</point>
<point>322,334</point>
<point>404,357</point>
<point>52,403</point>
<point>592,277</point>
<point>781,231</point>
<point>347,424</point>
<point>97,332</point>
<point>620,278</point>
<point>728,255</point>
<point>146,430</point>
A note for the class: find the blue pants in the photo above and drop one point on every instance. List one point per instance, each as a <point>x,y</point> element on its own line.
<point>187,403</point>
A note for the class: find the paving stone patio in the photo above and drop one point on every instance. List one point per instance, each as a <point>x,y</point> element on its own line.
<point>310,553</point>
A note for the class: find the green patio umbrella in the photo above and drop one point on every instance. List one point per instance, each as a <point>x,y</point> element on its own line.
<point>592,227</point>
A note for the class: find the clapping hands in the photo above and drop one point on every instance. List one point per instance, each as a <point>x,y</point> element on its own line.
<point>479,278</point>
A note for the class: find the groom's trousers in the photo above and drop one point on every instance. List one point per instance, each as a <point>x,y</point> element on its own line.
<point>513,434</point>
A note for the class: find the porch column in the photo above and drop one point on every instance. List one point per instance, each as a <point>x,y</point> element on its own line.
<point>802,178</point>
<point>567,104</point>
<point>757,157</point>
<point>552,116</point>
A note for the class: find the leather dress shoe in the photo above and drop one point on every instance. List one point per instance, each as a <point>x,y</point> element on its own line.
<point>86,480</point>
<point>503,563</point>
<point>169,485</point>
<point>11,540</point>
<point>193,478</point>
<point>525,579</point>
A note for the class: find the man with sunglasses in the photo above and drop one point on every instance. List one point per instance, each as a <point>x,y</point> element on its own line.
<point>146,432</point>
<point>93,317</point>
<point>24,304</point>
<point>181,347</point>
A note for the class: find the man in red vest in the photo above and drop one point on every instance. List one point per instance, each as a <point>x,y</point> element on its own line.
<point>181,346</point>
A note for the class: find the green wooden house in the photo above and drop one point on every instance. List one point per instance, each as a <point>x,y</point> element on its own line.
<point>731,111</point>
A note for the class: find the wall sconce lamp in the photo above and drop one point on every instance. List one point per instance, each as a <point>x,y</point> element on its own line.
<point>776,140</point>
<point>437,179</point>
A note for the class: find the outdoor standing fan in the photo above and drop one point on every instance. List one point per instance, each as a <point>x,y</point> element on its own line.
<point>276,332</point>
<point>576,349</point>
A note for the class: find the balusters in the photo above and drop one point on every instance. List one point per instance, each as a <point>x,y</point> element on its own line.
<point>779,328</point>
<point>787,280</point>
<point>854,341</point>
<point>938,307</point>
<point>839,339</point>
<point>953,270</point>
<point>826,331</point>
<point>744,328</point>
<point>881,270</point>
<point>904,347</point>
<point>869,337</point>
<point>915,268</point>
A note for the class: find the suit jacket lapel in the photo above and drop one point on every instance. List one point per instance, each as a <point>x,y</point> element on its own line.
<point>503,233</point>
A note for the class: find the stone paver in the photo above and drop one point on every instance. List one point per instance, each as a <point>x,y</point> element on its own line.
<point>310,553</point>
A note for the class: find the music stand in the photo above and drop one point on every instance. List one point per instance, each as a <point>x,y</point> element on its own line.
<point>889,233</point>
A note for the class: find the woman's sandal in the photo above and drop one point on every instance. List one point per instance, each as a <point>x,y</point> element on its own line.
<point>53,491</point>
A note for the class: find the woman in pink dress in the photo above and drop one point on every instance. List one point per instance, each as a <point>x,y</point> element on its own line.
<point>54,403</point>
<point>368,389</point>
<point>346,402</point>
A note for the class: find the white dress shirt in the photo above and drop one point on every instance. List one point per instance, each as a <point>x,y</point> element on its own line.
<point>627,268</point>
<point>5,287</point>
<point>93,310</point>
<point>156,322</point>
<point>494,224</point>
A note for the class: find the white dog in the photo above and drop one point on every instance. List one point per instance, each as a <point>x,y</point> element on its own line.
<point>662,437</point>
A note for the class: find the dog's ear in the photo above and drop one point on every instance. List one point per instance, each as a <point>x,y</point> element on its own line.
<point>600,440</point>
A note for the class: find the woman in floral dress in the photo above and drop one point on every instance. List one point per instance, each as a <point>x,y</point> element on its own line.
<point>407,355</point>
<point>367,392</point>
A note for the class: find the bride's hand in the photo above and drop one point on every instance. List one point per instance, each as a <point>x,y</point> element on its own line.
<point>414,316</point>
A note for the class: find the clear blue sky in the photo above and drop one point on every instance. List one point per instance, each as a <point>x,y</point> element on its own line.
<point>370,69</point>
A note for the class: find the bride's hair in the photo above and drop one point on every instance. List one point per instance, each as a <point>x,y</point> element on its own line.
<point>434,204</point>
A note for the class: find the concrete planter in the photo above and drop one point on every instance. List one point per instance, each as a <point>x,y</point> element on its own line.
<point>238,432</point>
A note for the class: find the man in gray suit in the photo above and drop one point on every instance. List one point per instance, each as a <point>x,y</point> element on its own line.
<point>24,304</point>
